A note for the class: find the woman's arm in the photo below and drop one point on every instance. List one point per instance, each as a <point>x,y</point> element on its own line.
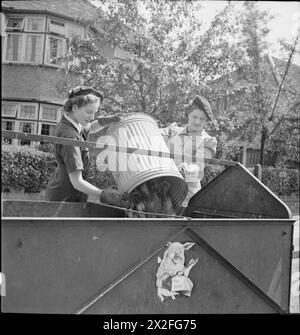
<point>107,196</point>
<point>83,186</point>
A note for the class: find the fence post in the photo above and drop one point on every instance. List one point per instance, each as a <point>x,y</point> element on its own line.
<point>258,171</point>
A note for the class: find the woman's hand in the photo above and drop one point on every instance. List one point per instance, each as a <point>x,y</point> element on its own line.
<point>106,121</point>
<point>190,172</point>
<point>112,196</point>
<point>183,168</point>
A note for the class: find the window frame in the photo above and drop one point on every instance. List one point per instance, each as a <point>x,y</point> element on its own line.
<point>49,106</point>
<point>20,117</point>
<point>19,122</point>
<point>47,49</point>
<point>11,29</point>
<point>12,104</point>
<point>35,31</point>
<point>10,141</point>
<point>46,123</point>
<point>14,121</point>
<point>40,61</point>
<point>22,53</point>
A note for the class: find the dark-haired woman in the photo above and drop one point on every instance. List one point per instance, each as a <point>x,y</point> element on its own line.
<point>67,183</point>
<point>192,140</point>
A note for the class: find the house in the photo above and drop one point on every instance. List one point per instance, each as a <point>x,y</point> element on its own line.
<point>35,36</point>
<point>223,102</point>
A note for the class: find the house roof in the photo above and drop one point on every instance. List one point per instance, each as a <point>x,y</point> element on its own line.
<point>70,9</point>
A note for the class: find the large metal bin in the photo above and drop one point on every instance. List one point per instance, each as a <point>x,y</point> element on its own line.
<point>87,258</point>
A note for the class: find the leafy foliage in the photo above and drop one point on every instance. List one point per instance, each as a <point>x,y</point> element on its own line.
<point>164,54</point>
<point>281,181</point>
<point>26,167</point>
<point>30,168</point>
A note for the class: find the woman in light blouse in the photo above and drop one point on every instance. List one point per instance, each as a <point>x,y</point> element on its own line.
<point>192,141</point>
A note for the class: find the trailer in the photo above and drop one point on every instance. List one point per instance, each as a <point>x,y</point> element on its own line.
<point>89,258</point>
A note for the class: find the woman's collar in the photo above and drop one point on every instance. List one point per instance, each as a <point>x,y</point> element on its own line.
<point>75,124</point>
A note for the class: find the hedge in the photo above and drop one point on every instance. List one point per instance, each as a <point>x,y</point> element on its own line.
<point>30,168</point>
<point>26,167</point>
<point>281,181</point>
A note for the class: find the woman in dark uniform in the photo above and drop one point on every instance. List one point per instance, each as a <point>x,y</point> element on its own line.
<point>67,183</point>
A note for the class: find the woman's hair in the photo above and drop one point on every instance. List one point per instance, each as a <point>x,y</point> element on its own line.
<point>82,96</point>
<point>201,103</point>
<point>80,101</point>
<point>189,109</point>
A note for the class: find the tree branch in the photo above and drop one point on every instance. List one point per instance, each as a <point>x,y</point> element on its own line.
<point>283,78</point>
<point>276,126</point>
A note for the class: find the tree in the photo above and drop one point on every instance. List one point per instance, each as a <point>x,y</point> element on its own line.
<point>166,56</point>
<point>159,69</point>
<point>261,107</point>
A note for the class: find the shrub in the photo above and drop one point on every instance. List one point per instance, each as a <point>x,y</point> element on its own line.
<point>23,166</point>
<point>98,178</point>
<point>30,168</point>
<point>45,147</point>
<point>281,181</point>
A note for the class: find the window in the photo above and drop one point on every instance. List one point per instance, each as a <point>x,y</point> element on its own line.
<point>7,125</point>
<point>15,23</point>
<point>49,113</point>
<point>56,27</point>
<point>55,50</point>
<point>47,129</point>
<point>14,47</point>
<point>35,24</point>
<point>27,127</point>
<point>8,110</point>
<point>34,48</point>
<point>28,111</point>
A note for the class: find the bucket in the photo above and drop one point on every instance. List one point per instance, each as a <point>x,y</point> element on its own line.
<point>132,169</point>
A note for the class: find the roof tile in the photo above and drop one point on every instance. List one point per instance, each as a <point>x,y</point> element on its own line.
<point>75,9</point>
